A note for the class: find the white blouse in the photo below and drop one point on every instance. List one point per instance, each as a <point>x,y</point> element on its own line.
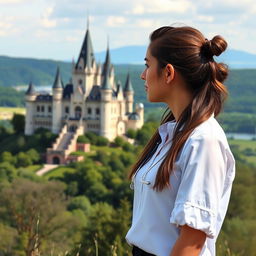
<point>198,196</point>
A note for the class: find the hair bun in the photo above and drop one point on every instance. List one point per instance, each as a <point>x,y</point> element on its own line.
<point>217,45</point>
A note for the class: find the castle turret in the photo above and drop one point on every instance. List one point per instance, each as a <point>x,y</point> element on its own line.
<point>128,94</point>
<point>140,111</point>
<point>108,68</point>
<point>85,69</point>
<point>57,91</point>
<point>120,98</point>
<point>30,100</point>
<point>97,78</point>
<point>106,98</point>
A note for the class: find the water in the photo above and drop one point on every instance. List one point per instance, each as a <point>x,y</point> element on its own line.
<point>42,88</point>
<point>241,136</point>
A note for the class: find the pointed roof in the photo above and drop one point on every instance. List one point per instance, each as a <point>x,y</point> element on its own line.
<point>119,87</point>
<point>106,71</point>
<point>31,89</point>
<point>107,63</point>
<point>128,84</point>
<point>106,82</point>
<point>86,52</point>
<point>57,83</point>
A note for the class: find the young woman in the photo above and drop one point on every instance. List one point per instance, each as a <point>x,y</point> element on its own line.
<point>182,180</point>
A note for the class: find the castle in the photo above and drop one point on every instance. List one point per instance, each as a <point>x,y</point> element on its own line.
<point>92,101</point>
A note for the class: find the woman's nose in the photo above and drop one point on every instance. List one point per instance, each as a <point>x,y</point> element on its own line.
<point>142,75</point>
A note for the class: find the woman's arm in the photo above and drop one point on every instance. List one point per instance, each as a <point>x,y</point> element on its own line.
<point>189,243</point>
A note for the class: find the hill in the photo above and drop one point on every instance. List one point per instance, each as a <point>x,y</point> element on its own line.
<point>136,54</point>
<point>19,71</point>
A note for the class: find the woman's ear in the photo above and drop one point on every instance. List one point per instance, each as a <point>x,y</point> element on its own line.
<point>169,73</point>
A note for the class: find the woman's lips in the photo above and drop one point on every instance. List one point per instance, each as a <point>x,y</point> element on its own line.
<point>146,87</point>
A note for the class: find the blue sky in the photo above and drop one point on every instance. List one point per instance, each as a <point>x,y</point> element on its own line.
<point>54,29</point>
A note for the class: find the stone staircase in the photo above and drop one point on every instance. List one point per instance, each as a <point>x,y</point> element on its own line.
<point>65,141</point>
<point>64,145</point>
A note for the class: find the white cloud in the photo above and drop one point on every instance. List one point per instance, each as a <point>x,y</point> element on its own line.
<point>115,21</point>
<point>145,23</point>
<point>46,21</point>
<point>161,6</point>
<point>204,18</point>
<point>126,21</point>
<point>12,1</point>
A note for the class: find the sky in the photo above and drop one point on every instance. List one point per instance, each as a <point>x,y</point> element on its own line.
<point>54,29</point>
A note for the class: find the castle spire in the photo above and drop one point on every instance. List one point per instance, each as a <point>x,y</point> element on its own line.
<point>107,63</point>
<point>106,82</point>
<point>31,89</point>
<point>57,82</point>
<point>128,84</point>
<point>86,53</point>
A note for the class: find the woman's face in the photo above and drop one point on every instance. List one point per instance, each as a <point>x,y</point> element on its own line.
<point>154,80</point>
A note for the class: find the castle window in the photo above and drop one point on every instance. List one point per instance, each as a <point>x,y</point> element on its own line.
<point>80,81</point>
<point>66,110</point>
<point>97,111</point>
<point>89,111</point>
<point>78,112</point>
<point>42,108</point>
<point>49,109</point>
<point>38,108</point>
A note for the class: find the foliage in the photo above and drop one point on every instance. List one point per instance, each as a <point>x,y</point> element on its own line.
<point>18,123</point>
<point>30,206</point>
<point>96,140</point>
<point>10,97</point>
<point>82,139</point>
<point>106,228</point>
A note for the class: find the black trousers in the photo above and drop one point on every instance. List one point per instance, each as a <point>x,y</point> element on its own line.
<point>138,252</point>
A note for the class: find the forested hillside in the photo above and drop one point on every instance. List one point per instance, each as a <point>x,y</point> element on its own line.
<point>18,71</point>
<point>84,209</point>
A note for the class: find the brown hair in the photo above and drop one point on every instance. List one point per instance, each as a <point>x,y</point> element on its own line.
<point>192,56</point>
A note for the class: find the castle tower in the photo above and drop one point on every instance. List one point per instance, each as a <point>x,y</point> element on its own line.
<point>106,99</point>
<point>85,69</point>
<point>139,108</point>
<point>30,99</point>
<point>107,65</point>
<point>120,98</point>
<point>97,78</point>
<point>57,91</point>
<point>128,94</point>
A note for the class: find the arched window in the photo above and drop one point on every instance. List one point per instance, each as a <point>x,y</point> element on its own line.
<point>78,112</point>
<point>66,110</point>
<point>42,108</point>
<point>89,111</point>
<point>49,109</point>
<point>97,111</point>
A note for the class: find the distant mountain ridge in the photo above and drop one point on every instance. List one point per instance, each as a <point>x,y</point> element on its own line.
<point>136,54</point>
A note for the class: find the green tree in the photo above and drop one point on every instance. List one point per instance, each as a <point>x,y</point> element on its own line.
<point>131,133</point>
<point>18,123</point>
<point>33,155</point>
<point>23,160</point>
<point>37,211</point>
<point>7,172</point>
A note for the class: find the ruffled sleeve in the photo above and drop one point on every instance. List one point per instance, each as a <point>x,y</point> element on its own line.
<point>201,187</point>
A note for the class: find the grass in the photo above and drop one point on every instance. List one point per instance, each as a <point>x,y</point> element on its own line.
<point>59,172</point>
<point>243,145</point>
<point>7,112</point>
<point>34,168</point>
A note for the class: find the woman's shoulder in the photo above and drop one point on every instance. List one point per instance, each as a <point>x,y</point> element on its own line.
<point>208,132</point>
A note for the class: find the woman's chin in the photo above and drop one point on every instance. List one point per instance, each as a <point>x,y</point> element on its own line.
<point>153,99</point>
